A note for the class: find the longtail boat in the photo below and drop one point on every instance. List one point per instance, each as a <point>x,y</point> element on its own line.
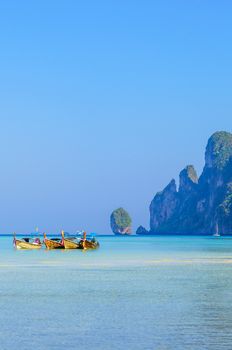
<point>53,243</point>
<point>71,242</point>
<point>27,243</point>
<point>89,244</point>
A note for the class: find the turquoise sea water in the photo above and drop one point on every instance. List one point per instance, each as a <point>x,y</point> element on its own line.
<point>133,293</point>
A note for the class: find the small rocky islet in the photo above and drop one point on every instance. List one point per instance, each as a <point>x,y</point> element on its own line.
<point>120,222</point>
<point>201,205</point>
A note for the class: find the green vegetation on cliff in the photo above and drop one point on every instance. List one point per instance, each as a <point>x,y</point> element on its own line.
<point>120,221</point>
<point>226,207</point>
<point>219,149</point>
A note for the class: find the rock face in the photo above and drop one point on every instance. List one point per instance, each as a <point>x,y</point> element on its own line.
<point>141,231</point>
<point>120,222</point>
<point>200,206</point>
<point>163,207</point>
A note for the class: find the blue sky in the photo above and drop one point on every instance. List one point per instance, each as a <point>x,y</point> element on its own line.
<point>103,102</point>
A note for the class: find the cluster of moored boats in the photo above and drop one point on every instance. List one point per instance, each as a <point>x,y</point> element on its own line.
<point>64,242</point>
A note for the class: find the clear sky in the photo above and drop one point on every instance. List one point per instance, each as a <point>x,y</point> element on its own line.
<point>103,102</point>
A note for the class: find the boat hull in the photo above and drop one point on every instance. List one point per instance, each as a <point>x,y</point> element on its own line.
<point>50,244</point>
<point>26,245</point>
<point>71,244</point>
<point>89,245</point>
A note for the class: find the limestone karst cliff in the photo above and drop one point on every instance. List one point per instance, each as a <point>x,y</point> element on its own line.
<point>199,206</point>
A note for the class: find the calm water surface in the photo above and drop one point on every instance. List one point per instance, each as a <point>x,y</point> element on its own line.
<point>133,293</point>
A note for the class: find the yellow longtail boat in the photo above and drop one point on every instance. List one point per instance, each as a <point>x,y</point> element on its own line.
<point>87,244</point>
<point>53,243</point>
<point>70,242</point>
<point>27,243</point>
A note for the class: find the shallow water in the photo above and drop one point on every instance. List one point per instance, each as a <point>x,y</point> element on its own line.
<point>133,293</point>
